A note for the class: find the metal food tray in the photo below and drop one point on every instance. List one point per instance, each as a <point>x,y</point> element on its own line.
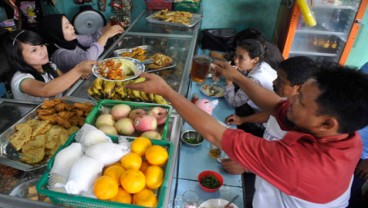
<point>150,52</point>
<point>193,21</point>
<point>148,48</point>
<point>4,139</point>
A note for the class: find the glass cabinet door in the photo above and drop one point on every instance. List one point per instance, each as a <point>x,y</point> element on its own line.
<point>328,38</point>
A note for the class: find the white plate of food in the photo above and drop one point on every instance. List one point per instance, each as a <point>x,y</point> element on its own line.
<point>217,203</point>
<point>213,90</point>
<point>118,69</point>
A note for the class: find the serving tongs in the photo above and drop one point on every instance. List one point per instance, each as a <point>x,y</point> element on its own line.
<point>9,151</point>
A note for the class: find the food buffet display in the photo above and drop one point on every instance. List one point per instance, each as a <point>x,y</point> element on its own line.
<point>170,58</point>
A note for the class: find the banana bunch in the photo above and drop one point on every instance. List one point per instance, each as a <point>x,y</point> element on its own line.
<point>116,90</point>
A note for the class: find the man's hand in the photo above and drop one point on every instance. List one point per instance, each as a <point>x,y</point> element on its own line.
<point>362,169</point>
<point>232,167</point>
<point>226,70</point>
<point>153,84</point>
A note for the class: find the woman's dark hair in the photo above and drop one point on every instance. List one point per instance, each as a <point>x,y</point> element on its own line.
<point>52,32</point>
<point>254,47</point>
<point>272,54</point>
<point>250,33</point>
<point>14,53</point>
<point>344,96</point>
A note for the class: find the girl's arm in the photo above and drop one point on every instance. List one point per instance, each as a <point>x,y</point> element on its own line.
<point>58,85</point>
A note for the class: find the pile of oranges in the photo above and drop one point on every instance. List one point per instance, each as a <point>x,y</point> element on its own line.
<point>134,178</point>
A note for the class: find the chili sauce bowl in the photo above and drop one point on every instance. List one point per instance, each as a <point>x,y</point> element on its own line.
<point>210,181</point>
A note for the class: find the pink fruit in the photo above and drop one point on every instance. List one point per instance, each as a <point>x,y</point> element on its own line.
<point>145,123</point>
<point>135,113</point>
<point>125,126</point>
<point>120,111</point>
<point>159,113</point>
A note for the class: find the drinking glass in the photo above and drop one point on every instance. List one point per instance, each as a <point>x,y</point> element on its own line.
<point>190,199</point>
<point>200,68</point>
<point>214,152</point>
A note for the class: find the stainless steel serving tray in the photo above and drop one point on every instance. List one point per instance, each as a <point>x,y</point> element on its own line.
<point>150,52</point>
<point>148,48</point>
<point>7,160</point>
<point>193,21</point>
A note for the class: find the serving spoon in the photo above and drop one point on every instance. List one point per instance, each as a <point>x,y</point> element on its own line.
<point>231,201</point>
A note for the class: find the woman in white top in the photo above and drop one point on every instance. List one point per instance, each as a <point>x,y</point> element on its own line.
<point>35,78</point>
<point>248,59</point>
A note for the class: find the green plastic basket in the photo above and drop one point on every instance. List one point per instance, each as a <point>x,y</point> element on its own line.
<point>81,201</point>
<point>106,105</point>
<point>188,6</point>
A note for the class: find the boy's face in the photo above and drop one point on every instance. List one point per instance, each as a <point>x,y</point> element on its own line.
<point>303,108</point>
<point>282,85</point>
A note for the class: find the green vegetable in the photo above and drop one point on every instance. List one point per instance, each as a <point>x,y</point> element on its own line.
<point>192,139</point>
<point>210,181</point>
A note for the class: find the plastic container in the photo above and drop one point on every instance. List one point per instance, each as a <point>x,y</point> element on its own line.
<point>81,201</point>
<point>159,4</point>
<point>188,6</point>
<point>209,173</point>
<point>106,105</point>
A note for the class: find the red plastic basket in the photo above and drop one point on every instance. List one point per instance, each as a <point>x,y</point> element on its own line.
<point>159,4</point>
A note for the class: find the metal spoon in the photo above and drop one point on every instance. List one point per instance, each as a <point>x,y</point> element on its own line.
<point>231,201</point>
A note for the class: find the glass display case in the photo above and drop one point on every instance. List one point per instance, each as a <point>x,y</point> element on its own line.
<point>178,43</point>
<point>332,37</point>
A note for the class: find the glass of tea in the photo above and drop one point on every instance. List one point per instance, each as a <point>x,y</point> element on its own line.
<point>200,68</point>
<point>215,152</point>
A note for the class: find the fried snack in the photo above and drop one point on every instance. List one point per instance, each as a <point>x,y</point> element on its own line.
<point>85,107</point>
<point>78,112</point>
<point>81,121</point>
<point>66,114</point>
<point>38,127</point>
<point>50,118</point>
<point>45,112</point>
<point>51,103</point>
<point>34,150</point>
<point>173,16</point>
<point>53,135</point>
<point>63,122</point>
<point>21,136</point>
<point>72,129</point>
<point>73,121</point>
<point>137,53</point>
<point>159,61</point>
<point>63,107</point>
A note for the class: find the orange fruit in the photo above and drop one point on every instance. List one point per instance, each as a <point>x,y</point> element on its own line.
<point>140,145</point>
<point>122,197</point>
<point>133,181</point>
<point>154,176</point>
<point>156,155</point>
<point>105,187</point>
<point>145,198</point>
<point>131,160</point>
<point>144,166</point>
<point>114,172</point>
